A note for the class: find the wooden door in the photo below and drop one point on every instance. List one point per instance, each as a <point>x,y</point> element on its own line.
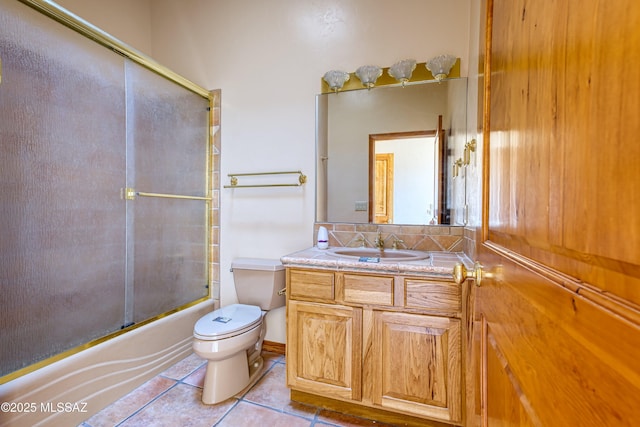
<point>383,201</point>
<point>416,363</point>
<point>557,321</point>
<point>326,342</point>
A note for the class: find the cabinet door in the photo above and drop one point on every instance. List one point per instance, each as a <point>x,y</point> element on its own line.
<point>324,348</point>
<point>416,361</point>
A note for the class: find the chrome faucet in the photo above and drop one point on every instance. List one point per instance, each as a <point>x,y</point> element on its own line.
<point>379,242</point>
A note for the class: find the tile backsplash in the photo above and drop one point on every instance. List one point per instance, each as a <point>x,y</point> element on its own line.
<point>435,238</point>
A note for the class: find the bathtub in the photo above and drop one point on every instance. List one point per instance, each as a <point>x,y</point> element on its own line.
<point>71,390</point>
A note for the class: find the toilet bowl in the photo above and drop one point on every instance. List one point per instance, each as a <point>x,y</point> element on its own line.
<point>227,345</point>
<point>230,338</point>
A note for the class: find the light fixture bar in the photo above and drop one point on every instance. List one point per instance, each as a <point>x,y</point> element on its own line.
<point>420,74</point>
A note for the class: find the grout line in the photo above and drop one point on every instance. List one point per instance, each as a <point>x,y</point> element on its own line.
<point>227,413</point>
<point>279,361</point>
<point>281,411</point>
<point>241,398</point>
<point>140,409</point>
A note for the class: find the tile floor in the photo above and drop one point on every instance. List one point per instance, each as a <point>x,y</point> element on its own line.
<point>173,399</point>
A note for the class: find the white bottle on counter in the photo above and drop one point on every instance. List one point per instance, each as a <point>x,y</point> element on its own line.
<point>323,238</point>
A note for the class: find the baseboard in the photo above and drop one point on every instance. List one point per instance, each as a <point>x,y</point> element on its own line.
<point>274,347</point>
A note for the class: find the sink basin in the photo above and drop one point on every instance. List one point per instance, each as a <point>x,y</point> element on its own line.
<point>388,255</point>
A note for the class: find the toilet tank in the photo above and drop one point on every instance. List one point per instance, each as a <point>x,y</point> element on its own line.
<point>258,281</point>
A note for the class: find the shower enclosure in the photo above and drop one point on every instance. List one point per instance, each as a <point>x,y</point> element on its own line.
<point>104,189</point>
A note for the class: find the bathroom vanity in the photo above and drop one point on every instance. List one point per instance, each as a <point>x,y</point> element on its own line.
<point>383,340</point>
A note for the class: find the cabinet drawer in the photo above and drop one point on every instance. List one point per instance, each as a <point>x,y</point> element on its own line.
<point>433,296</point>
<point>361,289</point>
<point>311,285</point>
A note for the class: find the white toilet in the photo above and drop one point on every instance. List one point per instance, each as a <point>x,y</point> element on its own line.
<point>230,338</point>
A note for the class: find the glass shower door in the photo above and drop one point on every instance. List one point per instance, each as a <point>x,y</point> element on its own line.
<point>167,128</point>
<point>62,145</point>
<point>80,259</point>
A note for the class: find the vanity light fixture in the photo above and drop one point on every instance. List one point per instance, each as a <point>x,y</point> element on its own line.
<point>440,66</point>
<point>336,79</point>
<point>402,70</point>
<point>368,74</point>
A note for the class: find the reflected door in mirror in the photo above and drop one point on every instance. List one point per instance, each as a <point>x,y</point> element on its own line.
<point>383,200</point>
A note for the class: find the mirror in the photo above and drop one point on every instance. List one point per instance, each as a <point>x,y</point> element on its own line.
<point>391,122</point>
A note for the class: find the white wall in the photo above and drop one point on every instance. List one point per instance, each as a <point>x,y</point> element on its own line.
<point>129,21</point>
<point>268,58</point>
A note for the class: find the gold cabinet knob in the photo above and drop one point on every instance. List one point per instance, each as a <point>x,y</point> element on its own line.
<point>460,273</point>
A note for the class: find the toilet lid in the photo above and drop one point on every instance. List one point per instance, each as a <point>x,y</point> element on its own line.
<point>227,321</point>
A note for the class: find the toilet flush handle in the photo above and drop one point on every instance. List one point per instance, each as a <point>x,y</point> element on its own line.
<point>282,291</point>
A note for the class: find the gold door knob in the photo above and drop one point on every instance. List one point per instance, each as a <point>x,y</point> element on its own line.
<point>460,273</point>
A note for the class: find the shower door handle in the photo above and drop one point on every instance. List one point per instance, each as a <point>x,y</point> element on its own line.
<point>130,194</point>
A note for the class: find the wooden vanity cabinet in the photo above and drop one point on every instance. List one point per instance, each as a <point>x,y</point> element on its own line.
<point>388,342</point>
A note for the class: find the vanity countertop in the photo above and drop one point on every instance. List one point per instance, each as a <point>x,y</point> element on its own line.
<point>439,264</point>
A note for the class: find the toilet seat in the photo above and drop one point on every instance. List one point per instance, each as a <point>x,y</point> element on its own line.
<point>227,322</point>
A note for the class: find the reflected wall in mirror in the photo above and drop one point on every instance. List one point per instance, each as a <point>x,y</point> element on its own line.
<point>347,122</point>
